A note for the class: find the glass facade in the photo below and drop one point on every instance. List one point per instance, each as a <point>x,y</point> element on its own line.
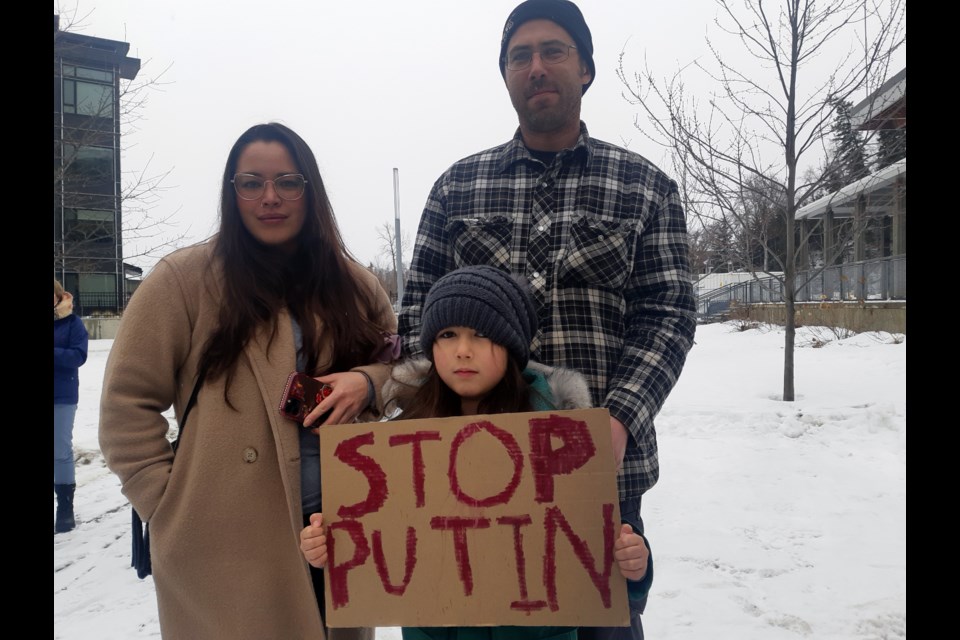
<point>88,77</point>
<point>88,169</point>
<point>88,92</point>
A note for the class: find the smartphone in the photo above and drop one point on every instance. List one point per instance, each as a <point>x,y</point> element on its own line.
<point>301,396</point>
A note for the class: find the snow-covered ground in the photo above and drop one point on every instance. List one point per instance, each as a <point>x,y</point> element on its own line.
<point>771,520</point>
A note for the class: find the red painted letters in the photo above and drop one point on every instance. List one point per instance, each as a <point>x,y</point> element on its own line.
<point>547,462</point>
<point>513,450</point>
<point>447,515</point>
<point>347,452</point>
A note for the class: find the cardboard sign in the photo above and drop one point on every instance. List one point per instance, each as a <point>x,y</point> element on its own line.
<point>505,519</point>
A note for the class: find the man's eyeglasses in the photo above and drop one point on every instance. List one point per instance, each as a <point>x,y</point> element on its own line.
<point>251,187</point>
<point>522,57</point>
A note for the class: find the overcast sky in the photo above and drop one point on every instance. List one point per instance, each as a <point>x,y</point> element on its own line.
<point>371,86</point>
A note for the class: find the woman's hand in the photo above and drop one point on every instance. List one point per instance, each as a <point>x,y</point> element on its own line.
<point>346,402</point>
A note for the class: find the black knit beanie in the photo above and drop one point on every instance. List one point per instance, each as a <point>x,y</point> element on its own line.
<point>564,13</point>
<point>484,299</point>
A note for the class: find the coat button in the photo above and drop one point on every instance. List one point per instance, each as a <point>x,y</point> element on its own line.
<point>249,454</point>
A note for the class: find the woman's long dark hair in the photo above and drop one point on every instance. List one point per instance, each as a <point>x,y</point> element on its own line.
<point>434,399</point>
<point>315,282</point>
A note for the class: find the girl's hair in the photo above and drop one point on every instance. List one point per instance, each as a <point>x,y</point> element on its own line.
<point>57,289</point>
<point>434,399</point>
<point>315,283</point>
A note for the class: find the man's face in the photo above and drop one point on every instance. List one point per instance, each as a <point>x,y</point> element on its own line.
<point>546,96</point>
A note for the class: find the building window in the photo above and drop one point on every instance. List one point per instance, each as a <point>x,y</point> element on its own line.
<point>88,92</point>
<point>97,291</point>
<point>102,283</point>
<point>89,225</point>
<point>88,169</point>
<point>90,239</point>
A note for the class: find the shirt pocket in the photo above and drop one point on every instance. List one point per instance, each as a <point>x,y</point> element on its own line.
<point>481,240</point>
<point>599,253</point>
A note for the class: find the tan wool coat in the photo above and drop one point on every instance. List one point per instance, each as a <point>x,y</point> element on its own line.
<point>225,514</point>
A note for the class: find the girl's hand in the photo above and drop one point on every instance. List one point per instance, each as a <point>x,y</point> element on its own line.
<point>631,554</point>
<point>313,542</point>
<point>348,400</point>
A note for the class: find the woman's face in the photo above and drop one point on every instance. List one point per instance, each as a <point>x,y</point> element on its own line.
<point>270,219</point>
<point>469,363</point>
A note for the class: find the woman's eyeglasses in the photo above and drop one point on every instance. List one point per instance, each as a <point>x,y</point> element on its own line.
<point>251,187</point>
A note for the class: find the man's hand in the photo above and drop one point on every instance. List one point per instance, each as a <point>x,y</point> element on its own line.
<point>620,435</point>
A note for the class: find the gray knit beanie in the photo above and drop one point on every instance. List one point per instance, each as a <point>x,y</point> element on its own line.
<point>564,13</point>
<point>485,299</point>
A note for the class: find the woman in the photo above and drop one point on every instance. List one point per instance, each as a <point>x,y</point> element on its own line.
<point>478,323</point>
<point>69,353</point>
<point>233,313</point>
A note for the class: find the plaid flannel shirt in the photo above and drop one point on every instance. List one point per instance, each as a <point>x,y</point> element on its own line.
<point>600,234</point>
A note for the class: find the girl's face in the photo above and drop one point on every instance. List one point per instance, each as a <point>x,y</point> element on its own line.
<point>270,219</point>
<point>469,363</point>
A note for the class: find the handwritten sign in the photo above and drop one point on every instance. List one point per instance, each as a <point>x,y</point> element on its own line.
<point>505,519</point>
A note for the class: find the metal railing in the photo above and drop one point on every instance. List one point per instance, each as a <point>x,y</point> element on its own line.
<point>879,279</point>
<point>90,303</point>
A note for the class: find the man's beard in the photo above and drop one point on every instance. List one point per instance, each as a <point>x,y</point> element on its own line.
<point>547,120</point>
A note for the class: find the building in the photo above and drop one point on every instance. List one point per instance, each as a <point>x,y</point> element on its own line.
<point>853,241</point>
<point>875,206</point>
<point>87,197</point>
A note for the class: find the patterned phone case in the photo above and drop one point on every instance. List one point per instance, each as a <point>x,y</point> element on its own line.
<point>301,396</point>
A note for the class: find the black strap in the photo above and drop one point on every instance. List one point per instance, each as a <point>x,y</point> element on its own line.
<point>141,560</point>
<point>186,412</point>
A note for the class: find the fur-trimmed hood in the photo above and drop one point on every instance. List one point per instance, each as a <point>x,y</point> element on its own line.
<point>64,307</point>
<point>568,387</point>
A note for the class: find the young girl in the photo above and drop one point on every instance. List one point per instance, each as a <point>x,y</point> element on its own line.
<point>478,323</point>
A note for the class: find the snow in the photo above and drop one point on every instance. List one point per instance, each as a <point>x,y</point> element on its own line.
<point>771,520</point>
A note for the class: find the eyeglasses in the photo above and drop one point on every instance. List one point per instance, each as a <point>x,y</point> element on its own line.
<point>251,187</point>
<point>522,57</point>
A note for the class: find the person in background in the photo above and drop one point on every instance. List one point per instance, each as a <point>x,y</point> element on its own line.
<point>70,340</point>
<point>275,290</point>
<point>598,231</point>
<point>477,323</point>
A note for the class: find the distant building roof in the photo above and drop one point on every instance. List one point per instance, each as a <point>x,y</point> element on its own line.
<point>885,108</point>
<point>80,49</point>
<point>879,187</point>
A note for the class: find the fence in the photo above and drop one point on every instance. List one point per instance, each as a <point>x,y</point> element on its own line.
<point>879,279</point>
<point>95,303</point>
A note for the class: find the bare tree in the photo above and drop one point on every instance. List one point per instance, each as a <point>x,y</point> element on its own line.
<point>739,151</point>
<point>94,107</point>
<point>386,263</point>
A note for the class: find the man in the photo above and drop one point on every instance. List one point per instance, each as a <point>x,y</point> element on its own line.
<point>599,233</point>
